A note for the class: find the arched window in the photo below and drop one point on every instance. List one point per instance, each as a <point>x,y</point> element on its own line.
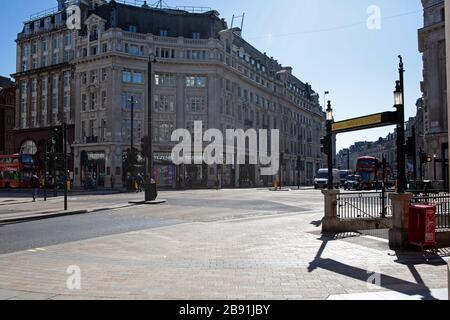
<point>28,147</point>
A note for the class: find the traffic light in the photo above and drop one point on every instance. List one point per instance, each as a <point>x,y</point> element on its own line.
<point>135,157</point>
<point>57,139</point>
<point>132,157</point>
<point>425,158</point>
<point>125,156</point>
<point>325,147</point>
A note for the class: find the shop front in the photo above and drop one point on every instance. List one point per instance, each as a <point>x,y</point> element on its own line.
<point>228,174</point>
<point>93,169</point>
<point>164,171</point>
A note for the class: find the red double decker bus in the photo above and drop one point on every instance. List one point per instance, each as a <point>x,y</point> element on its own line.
<point>16,170</point>
<point>369,169</point>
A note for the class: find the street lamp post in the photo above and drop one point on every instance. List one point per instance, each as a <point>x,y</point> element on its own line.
<point>66,176</point>
<point>399,100</point>
<point>330,145</point>
<point>325,93</point>
<point>45,170</point>
<point>151,192</point>
<point>132,101</point>
<point>132,155</point>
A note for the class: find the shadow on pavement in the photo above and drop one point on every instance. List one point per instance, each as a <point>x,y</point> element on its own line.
<point>409,259</point>
<point>317,223</point>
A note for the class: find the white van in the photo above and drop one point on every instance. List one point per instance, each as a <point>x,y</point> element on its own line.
<point>321,179</point>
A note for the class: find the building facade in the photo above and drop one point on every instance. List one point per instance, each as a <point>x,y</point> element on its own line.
<point>383,147</point>
<point>434,87</point>
<point>183,67</point>
<point>7,118</point>
<point>45,96</point>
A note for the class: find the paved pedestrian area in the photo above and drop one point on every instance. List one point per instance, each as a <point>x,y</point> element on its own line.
<point>282,256</point>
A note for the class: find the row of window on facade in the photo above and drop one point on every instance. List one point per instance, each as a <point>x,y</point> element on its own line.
<point>44,83</point>
<point>35,96</point>
<point>300,94</point>
<point>57,42</point>
<point>47,60</point>
<point>92,76</point>
<point>265,103</point>
<point>44,24</point>
<point>289,146</point>
<point>94,131</point>
<point>139,50</point>
<point>162,131</point>
<point>167,80</point>
<point>39,54</point>
<point>163,32</point>
<point>261,118</point>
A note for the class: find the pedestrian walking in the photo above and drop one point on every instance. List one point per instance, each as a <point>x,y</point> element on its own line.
<point>217,184</point>
<point>135,184</point>
<point>112,181</point>
<point>178,182</point>
<point>35,184</point>
<point>140,181</point>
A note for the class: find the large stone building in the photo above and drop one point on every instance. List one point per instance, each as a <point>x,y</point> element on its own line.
<point>45,96</point>
<point>7,116</point>
<point>434,86</point>
<point>201,71</point>
<point>383,147</point>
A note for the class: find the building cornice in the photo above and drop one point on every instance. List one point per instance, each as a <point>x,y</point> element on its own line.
<point>42,70</point>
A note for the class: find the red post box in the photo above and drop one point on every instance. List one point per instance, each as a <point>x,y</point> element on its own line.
<point>422,225</point>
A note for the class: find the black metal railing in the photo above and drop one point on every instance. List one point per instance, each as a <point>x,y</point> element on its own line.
<point>442,201</point>
<point>363,205</point>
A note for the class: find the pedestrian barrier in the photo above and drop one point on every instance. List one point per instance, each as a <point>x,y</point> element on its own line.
<point>363,205</point>
<point>353,212</point>
<point>442,202</point>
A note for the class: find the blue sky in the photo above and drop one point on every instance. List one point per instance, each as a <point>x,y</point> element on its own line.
<point>327,42</point>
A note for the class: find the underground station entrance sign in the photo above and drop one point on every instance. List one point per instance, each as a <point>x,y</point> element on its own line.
<point>367,122</point>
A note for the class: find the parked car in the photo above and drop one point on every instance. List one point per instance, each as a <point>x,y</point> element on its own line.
<point>353,182</point>
<point>321,179</point>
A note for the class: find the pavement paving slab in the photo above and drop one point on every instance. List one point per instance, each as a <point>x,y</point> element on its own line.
<point>270,253</point>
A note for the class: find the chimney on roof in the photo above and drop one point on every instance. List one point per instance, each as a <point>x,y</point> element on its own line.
<point>237,31</point>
